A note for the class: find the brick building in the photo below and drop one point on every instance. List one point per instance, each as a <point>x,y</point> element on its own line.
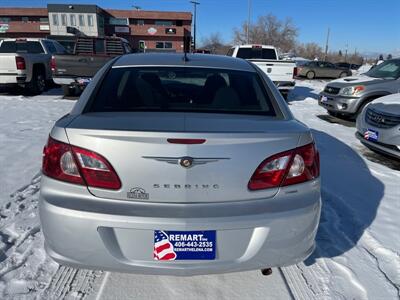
<point>153,30</point>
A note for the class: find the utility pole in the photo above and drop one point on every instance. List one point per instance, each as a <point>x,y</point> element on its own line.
<point>248,22</point>
<point>327,43</point>
<point>345,56</point>
<point>195,3</point>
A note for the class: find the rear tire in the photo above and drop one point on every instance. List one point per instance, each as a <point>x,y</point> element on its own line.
<point>310,75</point>
<point>68,91</point>
<point>38,83</point>
<point>343,74</point>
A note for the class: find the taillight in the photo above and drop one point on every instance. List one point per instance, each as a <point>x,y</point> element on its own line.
<point>295,72</point>
<point>20,62</point>
<point>286,168</point>
<point>76,165</point>
<point>53,65</point>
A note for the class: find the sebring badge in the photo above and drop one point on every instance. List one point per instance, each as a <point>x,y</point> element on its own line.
<point>185,161</point>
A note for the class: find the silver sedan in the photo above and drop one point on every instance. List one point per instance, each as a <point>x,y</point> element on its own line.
<point>180,166</point>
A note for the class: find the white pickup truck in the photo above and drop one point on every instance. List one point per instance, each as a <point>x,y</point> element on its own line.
<point>26,62</point>
<point>281,72</point>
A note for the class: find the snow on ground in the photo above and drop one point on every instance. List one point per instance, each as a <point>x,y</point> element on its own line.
<point>358,244</point>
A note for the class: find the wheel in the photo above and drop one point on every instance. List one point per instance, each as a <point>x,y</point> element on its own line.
<point>310,75</point>
<point>68,91</point>
<point>38,83</point>
<point>343,74</point>
<point>332,113</point>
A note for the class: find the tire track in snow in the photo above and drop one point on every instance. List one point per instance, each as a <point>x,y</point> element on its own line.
<point>25,269</point>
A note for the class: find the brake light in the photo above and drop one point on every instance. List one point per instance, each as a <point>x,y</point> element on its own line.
<point>73,164</point>
<point>186,141</point>
<point>53,64</point>
<point>295,72</point>
<point>286,168</point>
<point>20,62</point>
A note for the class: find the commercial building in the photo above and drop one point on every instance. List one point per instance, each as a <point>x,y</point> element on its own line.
<point>145,30</point>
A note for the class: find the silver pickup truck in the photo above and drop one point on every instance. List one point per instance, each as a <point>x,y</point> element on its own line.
<point>27,63</point>
<point>348,96</point>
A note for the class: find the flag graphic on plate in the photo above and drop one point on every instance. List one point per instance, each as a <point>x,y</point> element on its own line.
<point>163,249</point>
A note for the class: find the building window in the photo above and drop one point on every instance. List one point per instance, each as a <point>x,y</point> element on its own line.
<point>44,20</point>
<point>25,19</point>
<point>90,20</point>
<point>164,45</point>
<point>72,20</point>
<point>81,20</point>
<point>179,23</point>
<point>136,22</point>
<point>163,23</point>
<point>64,20</point>
<point>5,20</point>
<point>118,21</point>
<point>55,20</point>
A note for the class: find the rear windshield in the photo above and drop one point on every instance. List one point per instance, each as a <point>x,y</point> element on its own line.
<point>182,89</point>
<point>21,47</point>
<point>256,53</point>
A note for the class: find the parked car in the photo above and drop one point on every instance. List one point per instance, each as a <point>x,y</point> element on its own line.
<point>378,125</point>
<point>74,71</point>
<point>198,161</point>
<point>25,62</point>
<point>346,65</point>
<point>322,69</point>
<point>281,72</point>
<point>349,95</point>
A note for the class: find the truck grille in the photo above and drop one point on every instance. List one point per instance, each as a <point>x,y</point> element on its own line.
<point>331,90</point>
<point>380,119</point>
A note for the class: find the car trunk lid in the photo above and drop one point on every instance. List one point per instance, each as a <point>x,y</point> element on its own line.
<point>136,145</point>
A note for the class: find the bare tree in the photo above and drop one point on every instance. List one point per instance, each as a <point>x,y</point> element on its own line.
<point>269,30</point>
<point>310,51</point>
<point>215,44</point>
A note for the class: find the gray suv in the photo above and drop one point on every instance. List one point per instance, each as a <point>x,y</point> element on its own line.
<point>348,96</point>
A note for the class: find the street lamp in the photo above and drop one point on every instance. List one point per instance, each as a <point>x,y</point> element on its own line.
<point>194,23</point>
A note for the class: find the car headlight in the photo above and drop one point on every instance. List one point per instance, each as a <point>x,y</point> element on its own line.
<point>352,90</point>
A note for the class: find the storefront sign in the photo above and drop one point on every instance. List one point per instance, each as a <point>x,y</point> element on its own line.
<point>152,31</point>
<point>4,27</point>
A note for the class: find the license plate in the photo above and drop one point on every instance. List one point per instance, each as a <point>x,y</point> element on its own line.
<point>324,99</point>
<point>184,245</point>
<point>371,135</point>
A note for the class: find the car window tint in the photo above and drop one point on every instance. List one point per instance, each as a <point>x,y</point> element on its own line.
<point>387,69</point>
<point>182,89</point>
<point>256,53</point>
<point>21,47</point>
<point>50,47</point>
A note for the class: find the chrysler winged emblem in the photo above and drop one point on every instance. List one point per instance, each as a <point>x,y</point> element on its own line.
<point>185,161</point>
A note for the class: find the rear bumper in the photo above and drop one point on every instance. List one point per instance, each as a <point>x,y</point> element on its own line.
<point>124,243</point>
<point>10,79</point>
<point>63,80</point>
<point>285,85</point>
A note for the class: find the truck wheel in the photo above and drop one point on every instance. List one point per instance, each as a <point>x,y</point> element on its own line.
<point>310,75</point>
<point>343,74</point>
<point>38,83</point>
<point>68,91</point>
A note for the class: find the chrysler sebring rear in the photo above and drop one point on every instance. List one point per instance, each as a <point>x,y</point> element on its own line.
<point>180,166</point>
